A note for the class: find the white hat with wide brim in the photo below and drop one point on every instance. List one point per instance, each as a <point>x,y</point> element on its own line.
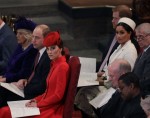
<point>127,21</point>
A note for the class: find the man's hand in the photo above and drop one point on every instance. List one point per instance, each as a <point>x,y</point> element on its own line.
<point>21,83</point>
<point>101,81</point>
<point>99,74</point>
<point>2,79</point>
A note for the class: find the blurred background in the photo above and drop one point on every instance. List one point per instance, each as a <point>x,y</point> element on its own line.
<point>85,25</point>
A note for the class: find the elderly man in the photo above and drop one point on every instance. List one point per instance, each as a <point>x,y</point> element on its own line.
<point>115,70</point>
<point>142,64</point>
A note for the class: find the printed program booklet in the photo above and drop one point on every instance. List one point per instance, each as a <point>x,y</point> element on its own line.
<point>11,87</point>
<point>18,109</point>
<point>88,73</point>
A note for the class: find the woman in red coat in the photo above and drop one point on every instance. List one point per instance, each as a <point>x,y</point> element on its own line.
<point>50,102</point>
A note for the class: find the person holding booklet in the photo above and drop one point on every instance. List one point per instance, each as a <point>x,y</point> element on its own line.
<point>125,102</point>
<point>51,101</point>
<point>115,70</point>
<point>37,84</point>
<point>21,63</point>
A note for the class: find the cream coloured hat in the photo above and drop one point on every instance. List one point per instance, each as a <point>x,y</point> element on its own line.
<point>127,21</point>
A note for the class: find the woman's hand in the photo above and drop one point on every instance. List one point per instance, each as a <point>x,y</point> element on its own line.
<point>31,103</point>
<point>99,74</point>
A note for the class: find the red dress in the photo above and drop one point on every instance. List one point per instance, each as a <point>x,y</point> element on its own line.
<point>51,101</point>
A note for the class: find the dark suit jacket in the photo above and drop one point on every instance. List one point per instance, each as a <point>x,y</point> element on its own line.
<point>116,107</point>
<point>37,85</point>
<point>8,44</point>
<point>142,70</point>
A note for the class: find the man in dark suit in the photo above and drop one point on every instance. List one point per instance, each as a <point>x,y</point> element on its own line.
<point>125,102</point>
<point>142,64</point>
<point>36,83</point>
<point>8,44</point>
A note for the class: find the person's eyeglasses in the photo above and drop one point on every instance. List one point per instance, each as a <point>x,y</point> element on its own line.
<point>141,37</point>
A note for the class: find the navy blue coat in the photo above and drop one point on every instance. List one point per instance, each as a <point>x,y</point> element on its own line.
<point>20,64</point>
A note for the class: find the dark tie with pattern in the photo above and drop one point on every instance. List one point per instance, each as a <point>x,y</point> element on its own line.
<point>35,64</point>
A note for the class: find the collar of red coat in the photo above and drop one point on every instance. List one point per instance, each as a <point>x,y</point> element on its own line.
<point>58,60</point>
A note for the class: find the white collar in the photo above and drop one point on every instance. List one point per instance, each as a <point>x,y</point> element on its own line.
<point>146,48</point>
<point>41,51</point>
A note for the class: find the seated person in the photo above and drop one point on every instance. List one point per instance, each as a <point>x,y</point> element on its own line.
<point>50,103</point>
<point>126,49</point>
<point>125,102</point>
<point>85,94</point>
<point>8,44</point>
<point>21,63</point>
<point>37,84</point>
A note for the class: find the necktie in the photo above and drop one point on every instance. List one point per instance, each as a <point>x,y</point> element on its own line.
<point>142,54</point>
<point>108,53</point>
<point>35,64</point>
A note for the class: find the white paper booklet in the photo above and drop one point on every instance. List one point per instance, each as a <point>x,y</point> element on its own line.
<point>18,109</point>
<point>102,98</point>
<point>11,87</point>
<point>88,73</point>
<point>88,64</point>
<point>87,79</point>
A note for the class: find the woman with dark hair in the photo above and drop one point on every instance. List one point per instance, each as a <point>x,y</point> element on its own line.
<point>126,49</point>
<point>50,103</point>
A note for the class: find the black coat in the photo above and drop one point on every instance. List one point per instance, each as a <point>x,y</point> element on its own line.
<point>142,70</point>
<point>118,108</point>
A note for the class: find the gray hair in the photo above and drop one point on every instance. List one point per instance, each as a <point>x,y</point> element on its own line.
<point>123,66</point>
<point>144,27</point>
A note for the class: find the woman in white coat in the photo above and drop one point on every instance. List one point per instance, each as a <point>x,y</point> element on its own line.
<point>126,50</point>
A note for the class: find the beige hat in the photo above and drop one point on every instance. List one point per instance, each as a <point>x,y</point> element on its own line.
<point>127,21</point>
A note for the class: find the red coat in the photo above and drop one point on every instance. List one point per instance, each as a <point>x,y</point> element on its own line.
<point>51,101</point>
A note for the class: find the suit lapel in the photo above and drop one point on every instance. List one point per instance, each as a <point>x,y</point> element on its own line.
<point>41,59</point>
<point>141,58</point>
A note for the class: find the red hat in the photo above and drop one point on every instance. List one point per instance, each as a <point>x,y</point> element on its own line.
<point>53,38</point>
